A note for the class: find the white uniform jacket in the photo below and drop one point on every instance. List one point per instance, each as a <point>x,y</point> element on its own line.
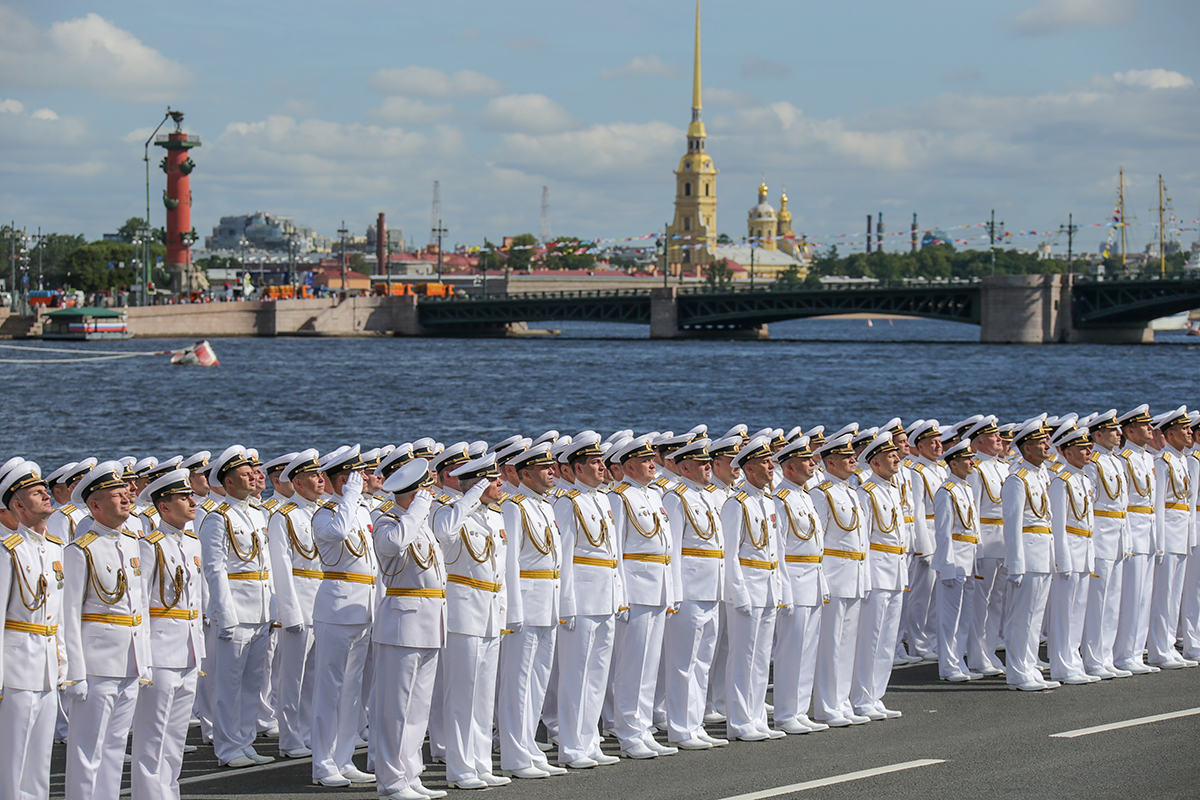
<point>534,563</point>
<point>887,559</point>
<point>643,538</point>
<point>34,657</point>
<point>803,544</point>
<point>1139,471</point>
<point>846,543</point>
<point>1071,521</point>
<point>1028,544</point>
<point>475,549</point>
<point>1110,504</point>
<point>297,574</point>
<point>237,565</point>
<point>105,619</point>
<point>342,532</point>
<point>590,582</point>
<point>753,551</point>
<point>927,477</point>
<point>987,482</point>
<point>908,519</point>
<point>1174,521</point>
<point>412,604</point>
<point>174,590</point>
<point>956,530</point>
<point>697,545</point>
<point>65,521</point>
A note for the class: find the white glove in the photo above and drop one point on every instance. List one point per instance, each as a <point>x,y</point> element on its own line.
<point>825,598</point>
<point>354,487</point>
<point>568,623</point>
<point>76,691</point>
<point>1015,580</point>
<point>623,615</point>
<point>673,608</point>
<point>787,611</point>
<point>295,628</point>
<point>1158,557</point>
<point>515,627</point>
<point>745,611</point>
<point>225,634</point>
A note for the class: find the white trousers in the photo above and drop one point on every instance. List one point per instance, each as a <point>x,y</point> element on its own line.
<point>204,705</point>
<point>987,612</point>
<point>341,654</point>
<point>1100,619</point>
<point>526,658</point>
<point>796,639</point>
<point>160,731</point>
<point>920,609</point>
<point>748,670</point>
<point>26,739</point>
<point>636,654</point>
<point>716,680</point>
<point>470,698</point>
<point>954,614</point>
<point>1134,623</point>
<point>437,713</point>
<point>296,671</point>
<point>584,657</point>
<point>1189,610</point>
<point>400,714</point>
<point>1023,628</point>
<point>835,658</point>
<point>550,703</point>
<point>875,647</point>
<point>97,736</point>
<point>1068,607</point>
<point>267,717</point>
<point>689,643</point>
<point>1165,599</point>
<point>239,665</point>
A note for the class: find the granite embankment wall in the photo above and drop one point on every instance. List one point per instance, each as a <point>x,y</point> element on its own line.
<point>355,316</point>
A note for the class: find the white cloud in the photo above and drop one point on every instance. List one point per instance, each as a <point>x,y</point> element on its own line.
<point>11,107</point>
<point>429,82</point>
<point>1056,16</point>
<point>89,53</point>
<point>614,150</point>
<point>526,113</point>
<point>650,66</point>
<point>1157,78</point>
<point>44,113</point>
<point>407,111</point>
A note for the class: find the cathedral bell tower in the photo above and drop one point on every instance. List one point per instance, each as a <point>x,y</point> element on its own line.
<point>694,230</point>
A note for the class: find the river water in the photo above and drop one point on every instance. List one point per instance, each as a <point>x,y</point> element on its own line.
<point>285,394</point>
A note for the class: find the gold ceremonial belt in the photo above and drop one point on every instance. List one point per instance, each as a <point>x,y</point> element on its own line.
<point>249,576</point>
<point>702,552</point>
<point>30,627</point>
<point>755,563</point>
<point>1178,506</point>
<point>1079,531</point>
<point>991,520</point>
<point>415,593</point>
<point>649,558</point>
<point>929,516</point>
<point>1035,529</point>
<point>316,574</point>
<point>851,554</point>
<point>123,620</point>
<point>173,613</point>
<point>1141,510</point>
<point>540,574</point>
<point>349,577</point>
<point>802,559</point>
<point>963,537</point>
<point>908,519</point>
<point>611,563</point>
<point>1110,514</point>
<point>886,548</point>
<point>474,583</point>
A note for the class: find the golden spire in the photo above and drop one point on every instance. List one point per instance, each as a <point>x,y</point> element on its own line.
<point>696,68</point>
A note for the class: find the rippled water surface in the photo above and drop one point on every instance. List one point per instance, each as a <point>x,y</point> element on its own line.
<point>284,394</point>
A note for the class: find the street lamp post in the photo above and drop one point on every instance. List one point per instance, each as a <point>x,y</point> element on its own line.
<point>242,244</point>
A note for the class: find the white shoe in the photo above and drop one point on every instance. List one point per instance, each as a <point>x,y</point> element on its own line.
<point>1102,673</point>
<point>527,772</point>
<point>259,758</point>
<point>333,781</point>
<point>271,733</point>
<point>582,763</point>
<point>1120,673</point>
<point>469,783</point>
<point>549,768</point>
<point>606,733</point>
<point>812,724</point>
<point>837,722</point>
<point>1168,664</point>
<point>1136,668</point>
<point>974,676</point>
<point>754,736</point>
<point>1190,662</point>
<point>606,760</point>
<point>1043,665</point>
<point>858,719</point>
<point>693,744</point>
<point>299,752</point>
<point>770,708</point>
<point>190,748</point>
<point>359,742</point>
<point>872,714</point>
<point>434,793</point>
<point>772,733</point>
<point>1050,684</point>
<point>713,717</point>
<point>889,713</point>
<point>991,672</point>
<point>545,747</point>
<point>638,751</point>
<point>407,793</point>
<point>715,741</point>
<point>1028,686</point>
<point>355,775</point>
<point>661,749</point>
<point>915,659</point>
<point>1079,680</point>
<point>241,762</point>
<point>495,780</point>
<point>795,727</point>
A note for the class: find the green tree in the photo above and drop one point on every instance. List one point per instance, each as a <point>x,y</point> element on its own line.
<point>718,275</point>
<point>520,255</point>
<point>723,238</point>
<point>105,265</point>
<point>490,258</point>
<point>789,278</point>
<point>560,254</point>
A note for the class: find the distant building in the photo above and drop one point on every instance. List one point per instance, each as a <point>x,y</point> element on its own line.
<point>263,231</point>
<point>395,239</point>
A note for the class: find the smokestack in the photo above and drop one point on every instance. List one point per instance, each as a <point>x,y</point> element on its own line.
<point>381,264</point>
<point>914,232</point>
<point>869,218</point>
<point>879,232</point>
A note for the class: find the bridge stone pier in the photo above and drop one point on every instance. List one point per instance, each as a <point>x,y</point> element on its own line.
<point>1036,309</point>
<point>664,321</point>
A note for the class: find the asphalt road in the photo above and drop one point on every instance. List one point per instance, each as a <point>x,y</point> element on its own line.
<point>982,740</point>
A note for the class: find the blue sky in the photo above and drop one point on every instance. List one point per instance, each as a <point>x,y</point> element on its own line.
<point>327,111</point>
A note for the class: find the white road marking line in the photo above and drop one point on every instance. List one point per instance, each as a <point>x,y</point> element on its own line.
<point>1112,726</point>
<point>849,776</point>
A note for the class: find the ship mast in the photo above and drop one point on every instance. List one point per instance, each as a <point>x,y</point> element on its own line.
<point>1121,205</point>
<point>1162,242</point>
